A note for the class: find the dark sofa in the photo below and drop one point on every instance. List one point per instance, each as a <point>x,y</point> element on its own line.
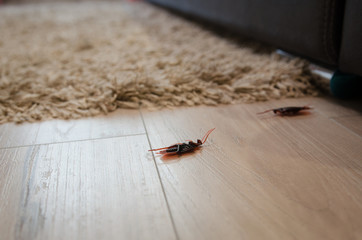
<point>328,32</point>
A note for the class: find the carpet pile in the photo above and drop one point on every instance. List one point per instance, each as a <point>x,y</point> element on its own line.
<point>71,60</point>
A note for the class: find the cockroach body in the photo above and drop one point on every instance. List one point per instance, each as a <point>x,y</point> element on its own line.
<point>180,148</point>
<point>287,111</point>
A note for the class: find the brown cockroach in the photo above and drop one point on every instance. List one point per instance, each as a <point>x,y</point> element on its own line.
<point>287,111</point>
<point>180,148</point>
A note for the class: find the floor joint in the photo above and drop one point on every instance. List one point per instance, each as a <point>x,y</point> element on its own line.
<point>159,177</point>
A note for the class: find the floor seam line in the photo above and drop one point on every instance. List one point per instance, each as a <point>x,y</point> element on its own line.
<point>346,128</point>
<point>159,177</point>
<point>71,141</point>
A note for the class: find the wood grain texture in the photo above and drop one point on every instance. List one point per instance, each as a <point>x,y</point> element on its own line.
<point>256,177</point>
<point>118,123</point>
<point>12,170</point>
<point>98,189</point>
<point>260,176</point>
<point>353,123</point>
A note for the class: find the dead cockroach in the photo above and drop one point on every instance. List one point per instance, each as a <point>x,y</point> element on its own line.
<point>287,111</point>
<point>180,148</point>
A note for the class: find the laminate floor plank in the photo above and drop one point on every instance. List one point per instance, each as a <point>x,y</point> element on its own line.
<point>260,176</point>
<point>353,123</point>
<point>115,124</point>
<point>12,173</point>
<point>256,177</point>
<point>97,189</point>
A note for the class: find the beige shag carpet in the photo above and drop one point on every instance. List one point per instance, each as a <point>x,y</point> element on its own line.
<point>70,60</point>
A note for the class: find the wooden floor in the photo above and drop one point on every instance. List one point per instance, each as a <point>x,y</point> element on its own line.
<point>256,177</point>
